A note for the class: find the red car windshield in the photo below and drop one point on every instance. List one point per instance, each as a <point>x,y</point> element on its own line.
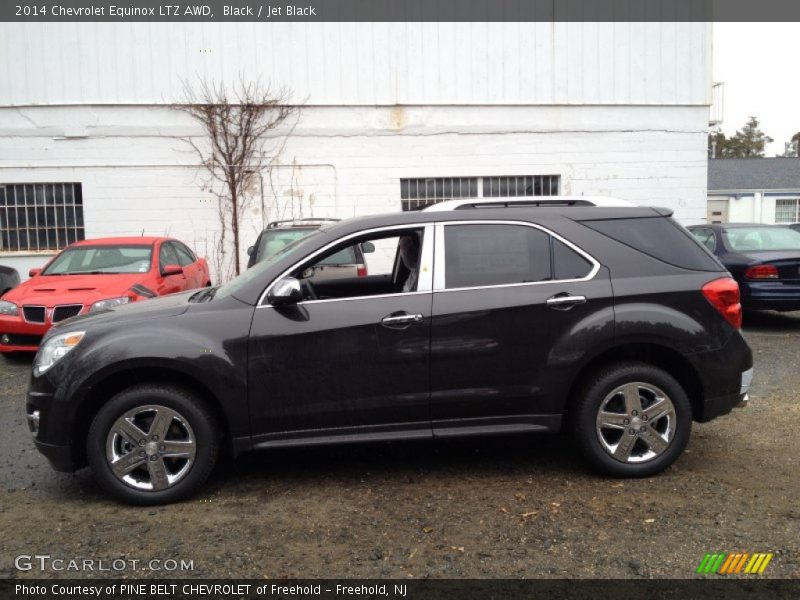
<point>101,260</point>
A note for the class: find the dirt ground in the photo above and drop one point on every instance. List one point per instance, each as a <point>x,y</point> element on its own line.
<point>503,507</point>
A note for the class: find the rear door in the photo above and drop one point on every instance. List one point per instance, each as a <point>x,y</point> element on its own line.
<point>191,267</point>
<point>509,309</point>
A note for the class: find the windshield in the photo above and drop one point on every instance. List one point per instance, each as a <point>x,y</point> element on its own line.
<point>257,270</point>
<point>101,260</point>
<point>273,242</point>
<point>753,239</point>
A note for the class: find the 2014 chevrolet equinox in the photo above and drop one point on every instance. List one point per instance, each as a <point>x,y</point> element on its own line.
<point>612,322</point>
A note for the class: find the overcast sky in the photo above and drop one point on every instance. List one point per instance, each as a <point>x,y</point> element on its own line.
<point>758,64</point>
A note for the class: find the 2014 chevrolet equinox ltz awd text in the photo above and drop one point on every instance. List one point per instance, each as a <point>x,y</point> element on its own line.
<point>610,322</point>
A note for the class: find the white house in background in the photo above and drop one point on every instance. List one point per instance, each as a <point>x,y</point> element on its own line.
<point>395,115</point>
<point>754,190</point>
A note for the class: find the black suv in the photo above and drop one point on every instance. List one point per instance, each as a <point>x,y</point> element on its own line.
<point>612,323</point>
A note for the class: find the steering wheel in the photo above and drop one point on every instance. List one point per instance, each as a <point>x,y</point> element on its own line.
<point>309,289</point>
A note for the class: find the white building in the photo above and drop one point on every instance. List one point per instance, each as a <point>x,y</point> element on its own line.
<point>754,190</point>
<point>394,113</point>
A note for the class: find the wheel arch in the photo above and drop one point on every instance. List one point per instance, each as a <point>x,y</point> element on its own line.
<point>111,383</point>
<point>657,355</point>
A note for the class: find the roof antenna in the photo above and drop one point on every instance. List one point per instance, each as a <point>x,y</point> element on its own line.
<point>142,232</point>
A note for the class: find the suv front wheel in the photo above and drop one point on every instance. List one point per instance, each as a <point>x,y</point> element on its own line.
<point>632,420</point>
<point>153,444</point>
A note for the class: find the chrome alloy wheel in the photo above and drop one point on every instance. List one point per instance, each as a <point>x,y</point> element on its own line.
<point>151,447</point>
<point>636,422</point>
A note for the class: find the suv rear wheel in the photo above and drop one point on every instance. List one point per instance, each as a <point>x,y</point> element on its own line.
<point>632,420</point>
<point>152,444</point>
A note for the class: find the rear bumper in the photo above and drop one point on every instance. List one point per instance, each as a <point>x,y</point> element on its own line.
<point>770,295</point>
<point>726,375</point>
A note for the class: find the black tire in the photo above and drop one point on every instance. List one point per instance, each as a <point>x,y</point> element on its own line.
<point>189,408</point>
<point>590,399</point>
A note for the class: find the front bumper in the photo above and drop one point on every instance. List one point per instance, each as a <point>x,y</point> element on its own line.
<point>51,424</point>
<point>17,335</point>
<point>61,458</point>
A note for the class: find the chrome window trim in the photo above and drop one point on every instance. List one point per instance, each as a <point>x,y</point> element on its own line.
<point>439,268</point>
<point>424,283</point>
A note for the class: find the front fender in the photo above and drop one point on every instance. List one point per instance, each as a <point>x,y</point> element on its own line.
<point>210,351</point>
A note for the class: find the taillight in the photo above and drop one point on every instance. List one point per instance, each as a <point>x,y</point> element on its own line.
<point>724,296</point>
<point>361,271</point>
<point>762,272</point>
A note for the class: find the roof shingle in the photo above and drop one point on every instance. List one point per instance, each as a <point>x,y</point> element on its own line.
<point>754,174</point>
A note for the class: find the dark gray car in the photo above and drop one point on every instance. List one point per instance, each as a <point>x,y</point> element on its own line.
<point>9,279</point>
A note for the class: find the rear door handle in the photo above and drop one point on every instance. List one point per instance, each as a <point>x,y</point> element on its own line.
<point>565,301</point>
<point>400,320</point>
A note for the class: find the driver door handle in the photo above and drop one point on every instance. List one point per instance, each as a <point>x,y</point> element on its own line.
<point>400,320</point>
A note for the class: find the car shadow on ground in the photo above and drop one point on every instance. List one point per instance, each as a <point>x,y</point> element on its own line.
<point>405,461</point>
<point>769,320</point>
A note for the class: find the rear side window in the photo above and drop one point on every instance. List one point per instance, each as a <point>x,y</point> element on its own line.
<point>659,237</point>
<point>185,257</point>
<point>567,263</point>
<point>705,237</point>
<point>478,255</point>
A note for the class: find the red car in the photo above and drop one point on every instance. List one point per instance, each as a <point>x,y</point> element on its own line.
<point>94,275</point>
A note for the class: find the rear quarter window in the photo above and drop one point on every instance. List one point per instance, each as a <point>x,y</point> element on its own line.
<point>658,237</point>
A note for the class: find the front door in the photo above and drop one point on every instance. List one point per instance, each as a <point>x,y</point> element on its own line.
<point>351,359</point>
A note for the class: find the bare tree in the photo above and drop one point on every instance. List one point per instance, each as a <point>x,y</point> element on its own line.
<point>245,129</point>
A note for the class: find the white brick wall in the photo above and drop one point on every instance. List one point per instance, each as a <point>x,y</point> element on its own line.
<point>137,175</point>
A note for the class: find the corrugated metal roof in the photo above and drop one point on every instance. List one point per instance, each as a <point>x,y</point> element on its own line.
<point>754,174</point>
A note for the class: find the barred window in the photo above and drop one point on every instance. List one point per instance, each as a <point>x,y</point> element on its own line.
<point>421,192</point>
<point>528,185</point>
<point>40,216</point>
<point>787,210</point>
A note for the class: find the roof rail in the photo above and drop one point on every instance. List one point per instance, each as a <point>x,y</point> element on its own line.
<point>533,201</point>
<point>298,222</point>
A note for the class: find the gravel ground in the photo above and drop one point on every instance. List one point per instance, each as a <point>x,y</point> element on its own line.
<point>503,507</point>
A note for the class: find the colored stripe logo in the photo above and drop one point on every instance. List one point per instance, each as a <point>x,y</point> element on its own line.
<point>737,563</point>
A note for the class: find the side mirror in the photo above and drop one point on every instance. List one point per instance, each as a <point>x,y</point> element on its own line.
<point>34,272</point>
<point>287,291</point>
<point>368,247</point>
<point>168,270</point>
<point>250,250</point>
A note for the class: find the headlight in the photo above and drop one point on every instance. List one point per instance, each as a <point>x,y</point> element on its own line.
<point>110,303</point>
<point>8,308</point>
<point>55,349</point>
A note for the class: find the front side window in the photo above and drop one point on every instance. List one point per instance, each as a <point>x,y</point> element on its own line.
<point>167,256</point>
<point>480,255</point>
<point>101,260</point>
<point>393,267</point>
